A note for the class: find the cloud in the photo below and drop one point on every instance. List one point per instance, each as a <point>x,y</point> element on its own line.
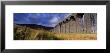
<point>45,19</point>
<point>54,20</point>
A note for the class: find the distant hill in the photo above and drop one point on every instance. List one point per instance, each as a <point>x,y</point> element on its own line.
<point>34,26</point>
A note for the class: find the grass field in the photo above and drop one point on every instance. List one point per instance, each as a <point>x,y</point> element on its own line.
<point>25,33</point>
<point>75,36</point>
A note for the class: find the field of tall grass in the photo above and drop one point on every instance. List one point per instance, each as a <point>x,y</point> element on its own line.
<point>76,36</point>
<point>26,33</point>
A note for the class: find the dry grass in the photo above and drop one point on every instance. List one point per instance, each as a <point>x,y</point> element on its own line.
<point>33,34</point>
<point>25,33</point>
<point>73,36</point>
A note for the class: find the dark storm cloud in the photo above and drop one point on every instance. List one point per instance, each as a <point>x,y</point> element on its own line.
<point>45,19</point>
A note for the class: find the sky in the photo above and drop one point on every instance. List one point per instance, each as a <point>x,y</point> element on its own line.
<point>44,19</point>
